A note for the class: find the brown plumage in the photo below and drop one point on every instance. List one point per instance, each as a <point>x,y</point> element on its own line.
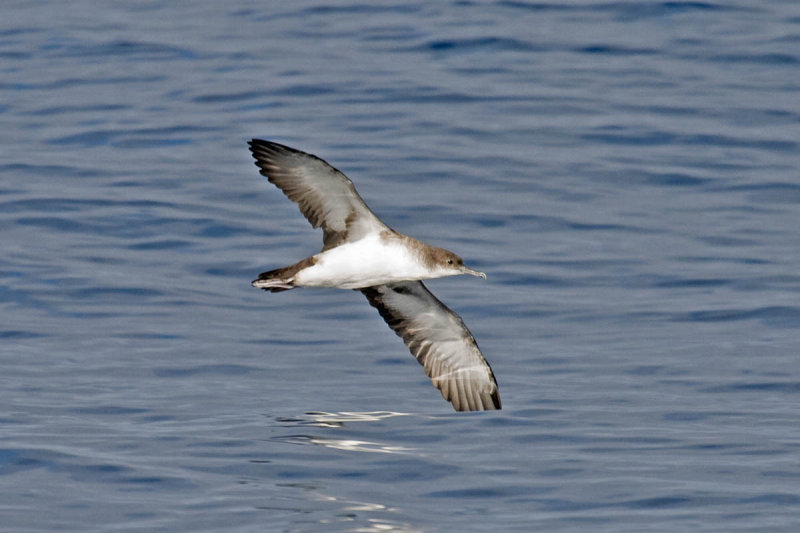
<point>440,341</point>
<point>435,335</point>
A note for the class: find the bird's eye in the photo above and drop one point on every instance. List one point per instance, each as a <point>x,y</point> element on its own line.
<point>449,261</point>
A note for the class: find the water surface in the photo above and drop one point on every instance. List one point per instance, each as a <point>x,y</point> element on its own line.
<point>625,172</point>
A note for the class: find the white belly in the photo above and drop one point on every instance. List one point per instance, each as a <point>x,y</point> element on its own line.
<point>370,261</point>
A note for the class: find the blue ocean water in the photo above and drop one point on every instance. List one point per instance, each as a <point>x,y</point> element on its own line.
<point>625,172</point>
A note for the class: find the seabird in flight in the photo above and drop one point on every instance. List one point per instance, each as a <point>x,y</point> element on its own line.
<point>361,252</point>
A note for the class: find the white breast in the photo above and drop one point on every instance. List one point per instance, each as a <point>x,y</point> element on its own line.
<point>364,263</point>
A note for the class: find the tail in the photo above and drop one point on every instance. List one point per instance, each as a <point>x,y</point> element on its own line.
<point>273,281</point>
<point>281,279</point>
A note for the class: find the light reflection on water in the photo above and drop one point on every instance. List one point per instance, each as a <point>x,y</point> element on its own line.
<point>344,444</point>
<point>351,515</point>
<point>338,419</point>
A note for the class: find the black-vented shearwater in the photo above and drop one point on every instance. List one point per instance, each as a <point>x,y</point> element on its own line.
<point>360,252</point>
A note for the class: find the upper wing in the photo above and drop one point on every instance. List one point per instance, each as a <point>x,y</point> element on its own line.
<point>326,197</point>
<point>440,341</point>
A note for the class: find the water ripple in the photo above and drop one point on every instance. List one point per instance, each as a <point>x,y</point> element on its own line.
<point>626,172</point>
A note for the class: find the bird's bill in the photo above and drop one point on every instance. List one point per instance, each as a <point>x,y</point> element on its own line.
<point>467,270</point>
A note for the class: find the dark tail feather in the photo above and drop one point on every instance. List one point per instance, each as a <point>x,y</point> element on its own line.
<point>282,279</point>
<point>275,280</point>
<point>277,289</point>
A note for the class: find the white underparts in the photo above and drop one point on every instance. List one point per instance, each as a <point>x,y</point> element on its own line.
<point>370,261</point>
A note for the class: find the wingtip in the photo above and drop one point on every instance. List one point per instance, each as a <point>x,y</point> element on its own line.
<point>496,400</point>
<point>492,403</point>
<point>264,145</point>
<point>463,399</point>
<point>260,145</point>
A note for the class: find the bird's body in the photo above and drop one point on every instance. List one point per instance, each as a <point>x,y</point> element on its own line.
<point>361,252</point>
<point>375,259</point>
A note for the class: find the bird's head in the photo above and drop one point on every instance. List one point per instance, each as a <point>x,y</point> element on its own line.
<point>450,264</point>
